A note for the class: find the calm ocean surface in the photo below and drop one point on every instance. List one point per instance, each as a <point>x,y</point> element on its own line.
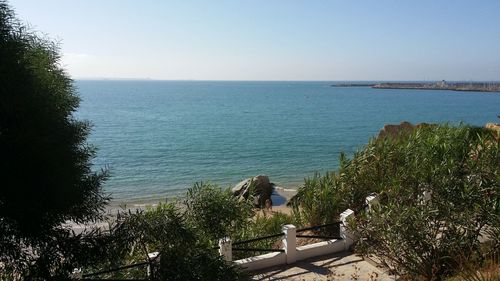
<point>160,137</point>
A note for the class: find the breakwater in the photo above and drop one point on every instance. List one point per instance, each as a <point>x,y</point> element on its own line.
<point>473,87</point>
<point>442,85</point>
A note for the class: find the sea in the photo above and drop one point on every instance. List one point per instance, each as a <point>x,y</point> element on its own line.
<point>158,138</point>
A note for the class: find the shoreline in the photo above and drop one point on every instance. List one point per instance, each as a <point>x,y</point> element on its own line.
<point>280,197</point>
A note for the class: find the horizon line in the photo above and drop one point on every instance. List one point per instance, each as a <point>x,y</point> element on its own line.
<point>270,80</point>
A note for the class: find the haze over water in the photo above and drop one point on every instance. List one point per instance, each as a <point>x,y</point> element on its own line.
<point>160,137</point>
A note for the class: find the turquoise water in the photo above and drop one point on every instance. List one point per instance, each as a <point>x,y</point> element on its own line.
<point>160,137</point>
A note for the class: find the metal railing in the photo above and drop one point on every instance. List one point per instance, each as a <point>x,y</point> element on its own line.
<point>255,240</point>
<point>116,269</point>
<point>281,234</point>
<point>153,256</point>
<point>319,227</point>
<point>148,263</point>
<point>259,238</point>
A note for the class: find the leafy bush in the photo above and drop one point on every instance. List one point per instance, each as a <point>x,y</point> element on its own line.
<point>439,188</point>
<point>215,212</point>
<point>323,197</point>
<point>184,253</point>
<point>319,200</point>
<point>441,192</point>
<point>196,264</point>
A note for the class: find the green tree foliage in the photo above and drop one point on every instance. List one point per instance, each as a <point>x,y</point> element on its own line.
<point>441,194</point>
<point>439,188</point>
<point>185,234</point>
<point>319,200</point>
<point>184,251</point>
<point>45,164</point>
<point>215,211</point>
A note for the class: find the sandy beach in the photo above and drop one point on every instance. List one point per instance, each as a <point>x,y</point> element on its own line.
<point>280,197</point>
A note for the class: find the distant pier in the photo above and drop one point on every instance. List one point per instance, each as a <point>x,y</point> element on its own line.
<point>441,85</point>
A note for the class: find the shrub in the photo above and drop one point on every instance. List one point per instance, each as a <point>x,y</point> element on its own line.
<point>439,188</point>
<point>196,264</point>
<point>319,201</point>
<point>184,253</point>
<point>215,212</point>
<point>441,193</point>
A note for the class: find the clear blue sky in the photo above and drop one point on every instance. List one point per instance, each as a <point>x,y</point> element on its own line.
<point>273,40</point>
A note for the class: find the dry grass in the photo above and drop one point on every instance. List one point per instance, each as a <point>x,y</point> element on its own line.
<point>489,272</point>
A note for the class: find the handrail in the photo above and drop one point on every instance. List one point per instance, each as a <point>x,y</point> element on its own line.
<point>317,227</point>
<point>257,250</point>
<point>258,238</point>
<point>319,237</point>
<point>118,268</point>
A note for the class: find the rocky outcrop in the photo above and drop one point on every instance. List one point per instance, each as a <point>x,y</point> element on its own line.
<point>259,187</point>
<point>242,189</point>
<point>397,130</point>
<point>493,126</point>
